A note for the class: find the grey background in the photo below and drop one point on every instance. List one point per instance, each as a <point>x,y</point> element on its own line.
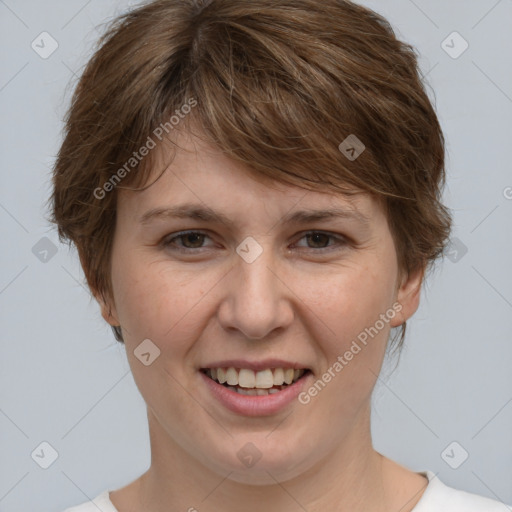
<point>65,380</point>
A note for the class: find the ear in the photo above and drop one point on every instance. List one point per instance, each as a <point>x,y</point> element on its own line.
<point>408,296</point>
<point>108,309</point>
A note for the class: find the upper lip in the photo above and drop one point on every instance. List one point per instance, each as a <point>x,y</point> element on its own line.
<point>256,365</point>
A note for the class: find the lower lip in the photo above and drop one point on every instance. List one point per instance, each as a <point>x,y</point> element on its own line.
<point>255,405</point>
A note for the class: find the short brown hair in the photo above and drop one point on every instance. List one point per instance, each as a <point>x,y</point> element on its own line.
<point>278,85</point>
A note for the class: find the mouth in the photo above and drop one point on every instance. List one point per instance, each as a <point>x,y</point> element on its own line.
<point>245,381</point>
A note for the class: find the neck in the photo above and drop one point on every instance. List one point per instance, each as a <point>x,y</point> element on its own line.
<point>350,478</point>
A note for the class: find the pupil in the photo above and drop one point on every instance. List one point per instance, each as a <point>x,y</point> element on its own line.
<point>193,235</point>
<point>315,237</point>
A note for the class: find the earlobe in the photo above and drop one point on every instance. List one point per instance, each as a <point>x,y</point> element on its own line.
<point>408,296</point>
<point>108,312</point>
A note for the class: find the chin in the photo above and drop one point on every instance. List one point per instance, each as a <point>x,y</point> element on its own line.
<point>265,474</point>
<point>264,468</point>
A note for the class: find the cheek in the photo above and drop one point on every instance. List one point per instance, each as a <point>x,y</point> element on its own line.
<point>351,307</point>
<point>353,300</point>
<point>158,303</point>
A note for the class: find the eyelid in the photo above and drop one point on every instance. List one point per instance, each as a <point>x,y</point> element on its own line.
<point>167,240</point>
<point>341,241</point>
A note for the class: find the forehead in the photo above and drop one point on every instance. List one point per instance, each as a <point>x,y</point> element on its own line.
<point>194,179</point>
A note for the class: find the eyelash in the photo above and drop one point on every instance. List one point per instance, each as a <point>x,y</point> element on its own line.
<point>167,243</point>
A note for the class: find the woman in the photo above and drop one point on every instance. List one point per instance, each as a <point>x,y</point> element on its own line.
<point>254,192</point>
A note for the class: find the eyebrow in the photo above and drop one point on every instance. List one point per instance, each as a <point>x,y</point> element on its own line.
<point>206,214</point>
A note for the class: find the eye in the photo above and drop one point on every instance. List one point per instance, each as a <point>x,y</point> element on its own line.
<point>191,241</point>
<point>194,237</point>
<point>320,238</point>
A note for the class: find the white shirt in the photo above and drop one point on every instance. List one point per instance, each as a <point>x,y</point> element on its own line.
<point>437,497</point>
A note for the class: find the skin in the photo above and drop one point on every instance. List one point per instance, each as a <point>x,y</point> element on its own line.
<point>301,300</point>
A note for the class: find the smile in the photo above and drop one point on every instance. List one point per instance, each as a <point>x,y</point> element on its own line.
<point>248,382</point>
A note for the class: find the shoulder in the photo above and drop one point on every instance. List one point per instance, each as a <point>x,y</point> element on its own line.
<point>439,497</point>
<point>101,502</point>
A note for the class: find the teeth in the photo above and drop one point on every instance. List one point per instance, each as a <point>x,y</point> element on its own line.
<point>221,374</point>
<point>232,377</point>
<point>264,379</point>
<point>249,380</point>
<point>259,392</point>
<point>278,377</point>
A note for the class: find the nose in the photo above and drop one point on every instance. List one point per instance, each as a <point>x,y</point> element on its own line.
<point>258,299</point>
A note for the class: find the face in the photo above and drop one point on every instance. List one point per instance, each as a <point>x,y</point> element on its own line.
<point>258,289</point>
